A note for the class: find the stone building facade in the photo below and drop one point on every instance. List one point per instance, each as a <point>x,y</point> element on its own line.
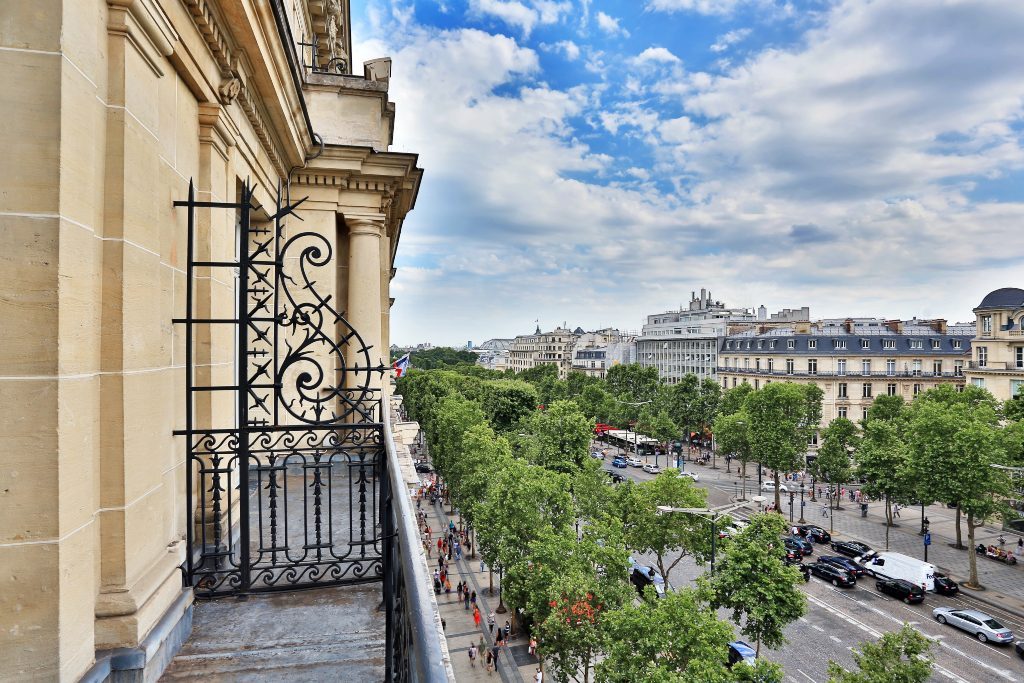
<point>997,350</point>
<point>852,360</point>
<point>111,108</point>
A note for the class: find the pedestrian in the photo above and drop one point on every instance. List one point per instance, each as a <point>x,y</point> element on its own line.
<point>440,545</point>
<point>427,546</point>
<point>495,651</point>
<point>539,676</point>
<point>472,598</point>
<point>482,568</point>
<point>489,662</point>
<point>481,646</point>
<point>465,598</point>
<point>444,624</point>
<point>458,551</point>
<point>448,587</point>
<point>490,623</point>
<point>896,510</point>
<point>476,617</point>
<point>824,511</point>
<point>458,589</point>
<point>1020,547</point>
<point>533,646</point>
<point>472,654</point>
<point>508,629</point>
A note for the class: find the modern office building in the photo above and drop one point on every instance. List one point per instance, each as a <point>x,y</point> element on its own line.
<point>997,350</point>
<point>853,360</point>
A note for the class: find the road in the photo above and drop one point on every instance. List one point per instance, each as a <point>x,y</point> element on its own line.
<point>838,620</point>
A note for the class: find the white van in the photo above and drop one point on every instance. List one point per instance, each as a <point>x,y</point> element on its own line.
<point>897,566</point>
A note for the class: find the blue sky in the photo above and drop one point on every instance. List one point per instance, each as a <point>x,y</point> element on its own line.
<point>594,161</point>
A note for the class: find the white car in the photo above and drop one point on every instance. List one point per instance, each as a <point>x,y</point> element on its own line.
<point>770,486</point>
<point>689,475</point>
<point>652,469</point>
<point>634,462</point>
<point>980,625</point>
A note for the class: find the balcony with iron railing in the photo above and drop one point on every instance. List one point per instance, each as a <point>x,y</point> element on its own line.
<point>995,366</point>
<point>880,374</point>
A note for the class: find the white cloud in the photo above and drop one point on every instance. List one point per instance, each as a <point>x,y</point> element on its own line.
<point>570,49</point>
<point>698,6</point>
<point>610,25</point>
<point>656,55</point>
<point>511,12</point>
<point>725,41</point>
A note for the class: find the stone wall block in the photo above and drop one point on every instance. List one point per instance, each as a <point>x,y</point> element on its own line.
<point>29,258</point>
<point>82,143</point>
<point>145,345</point>
<point>80,289</point>
<point>78,447</point>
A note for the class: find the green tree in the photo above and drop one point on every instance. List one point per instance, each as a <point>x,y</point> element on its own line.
<point>734,399</point>
<point>753,580</point>
<point>483,455</point>
<point>506,402</point>
<point>439,357</point>
<point>597,403</point>
<point>888,408</point>
<point>657,424</point>
<point>956,444</point>
<point>576,382</point>
<point>833,463</point>
<point>453,416</point>
<point>883,461</point>
<point>781,423</point>
<point>561,437</point>
<point>633,382</point>
<point>732,437</point>
<point>897,657</point>
<point>669,537</point>
<point>677,638</point>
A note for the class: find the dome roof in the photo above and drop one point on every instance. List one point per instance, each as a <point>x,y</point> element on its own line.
<point>1007,297</point>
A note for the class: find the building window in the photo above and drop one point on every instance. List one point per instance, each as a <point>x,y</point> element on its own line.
<point>865,343</point>
<point>865,366</point>
<point>866,390</point>
<point>986,324</point>
<point>841,411</point>
<point>1016,387</point>
<point>746,363</point>
<point>757,384</point>
<point>748,344</point>
<point>812,366</point>
<point>936,344</point>
<point>771,344</point>
<point>812,343</point>
<point>937,367</point>
<point>890,366</point>
<point>1019,354</point>
<point>888,343</point>
<point>789,366</point>
<point>728,345</point>
<point>757,364</point>
<point>890,389</point>
<point>725,382</point>
<point>958,368</point>
<point>790,343</point>
<point>841,366</point>
<point>957,344</point>
<point>982,356</point>
<point>864,413</point>
<point>978,382</point>
<point>917,389</point>
<point>839,343</point>
<point>916,344</point>
<point>771,364</point>
<point>734,381</point>
<point>917,367</point>
<point>842,390</point>
<point>760,343</point>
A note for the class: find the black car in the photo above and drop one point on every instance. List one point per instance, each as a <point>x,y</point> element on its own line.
<point>903,590</point>
<point>1019,647</point>
<point>814,533</point>
<point>424,467</point>
<point>854,569</point>
<point>833,574</point>
<point>851,548</point>
<point>795,559</point>
<point>795,542</point>
<point>945,585</point>
<point>615,476</point>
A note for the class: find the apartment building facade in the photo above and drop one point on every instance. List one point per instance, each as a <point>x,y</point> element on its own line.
<point>997,349</point>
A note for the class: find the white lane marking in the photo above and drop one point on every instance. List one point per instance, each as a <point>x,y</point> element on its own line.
<point>1002,673</point>
<point>806,676</point>
<point>804,620</point>
<point>834,639</point>
<point>817,628</point>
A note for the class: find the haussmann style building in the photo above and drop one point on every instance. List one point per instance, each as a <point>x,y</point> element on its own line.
<point>997,350</point>
<point>199,218</point>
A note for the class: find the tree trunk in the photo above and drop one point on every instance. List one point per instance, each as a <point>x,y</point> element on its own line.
<point>959,537</point>
<point>775,475</point>
<point>972,581</point>
<point>472,545</point>
<point>888,519</point>
<point>490,580</point>
<point>744,478</point>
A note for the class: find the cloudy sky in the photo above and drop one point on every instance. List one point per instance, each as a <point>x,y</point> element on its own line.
<point>593,161</point>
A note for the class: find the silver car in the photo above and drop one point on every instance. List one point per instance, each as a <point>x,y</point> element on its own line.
<point>979,624</point>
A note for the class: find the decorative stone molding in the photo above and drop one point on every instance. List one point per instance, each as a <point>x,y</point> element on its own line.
<point>331,26</point>
<point>229,90</point>
<point>209,26</point>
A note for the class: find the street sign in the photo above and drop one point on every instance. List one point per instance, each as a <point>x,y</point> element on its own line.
<point>927,539</point>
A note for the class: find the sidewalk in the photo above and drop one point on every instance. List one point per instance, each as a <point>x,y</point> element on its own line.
<point>516,665</point>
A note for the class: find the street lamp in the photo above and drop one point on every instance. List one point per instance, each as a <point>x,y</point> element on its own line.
<point>802,520</point>
<point>713,514</point>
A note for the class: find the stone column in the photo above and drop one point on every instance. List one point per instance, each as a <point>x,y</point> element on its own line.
<point>365,234</point>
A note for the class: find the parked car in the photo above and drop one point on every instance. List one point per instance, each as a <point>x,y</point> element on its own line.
<point>796,560</point>
<point>652,469</point>
<point>901,590</point>
<point>855,570</point>
<point>1019,647</point>
<point>832,574</point>
<point>795,541</point>
<point>596,455</point>
<point>730,527</point>
<point>852,548</point>
<point>615,476</point>
<point>945,585</point>
<point>642,576</point>
<point>690,475</point>
<point>741,652</point>
<point>888,565</point>
<point>635,462</point>
<point>770,486</point>
<point>424,467</point>
<point>619,462</point>
<point>980,625</point>
<point>813,532</point>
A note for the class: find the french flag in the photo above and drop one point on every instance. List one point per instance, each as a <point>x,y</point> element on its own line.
<point>401,366</point>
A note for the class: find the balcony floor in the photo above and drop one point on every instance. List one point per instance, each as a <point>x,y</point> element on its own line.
<point>313,635</point>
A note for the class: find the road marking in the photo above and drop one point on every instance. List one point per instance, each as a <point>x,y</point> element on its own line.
<point>817,628</point>
<point>1003,673</point>
<point>806,676</point>
<point>834,639</point>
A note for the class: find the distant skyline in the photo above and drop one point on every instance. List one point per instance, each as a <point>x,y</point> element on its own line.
<point>594,161</point>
